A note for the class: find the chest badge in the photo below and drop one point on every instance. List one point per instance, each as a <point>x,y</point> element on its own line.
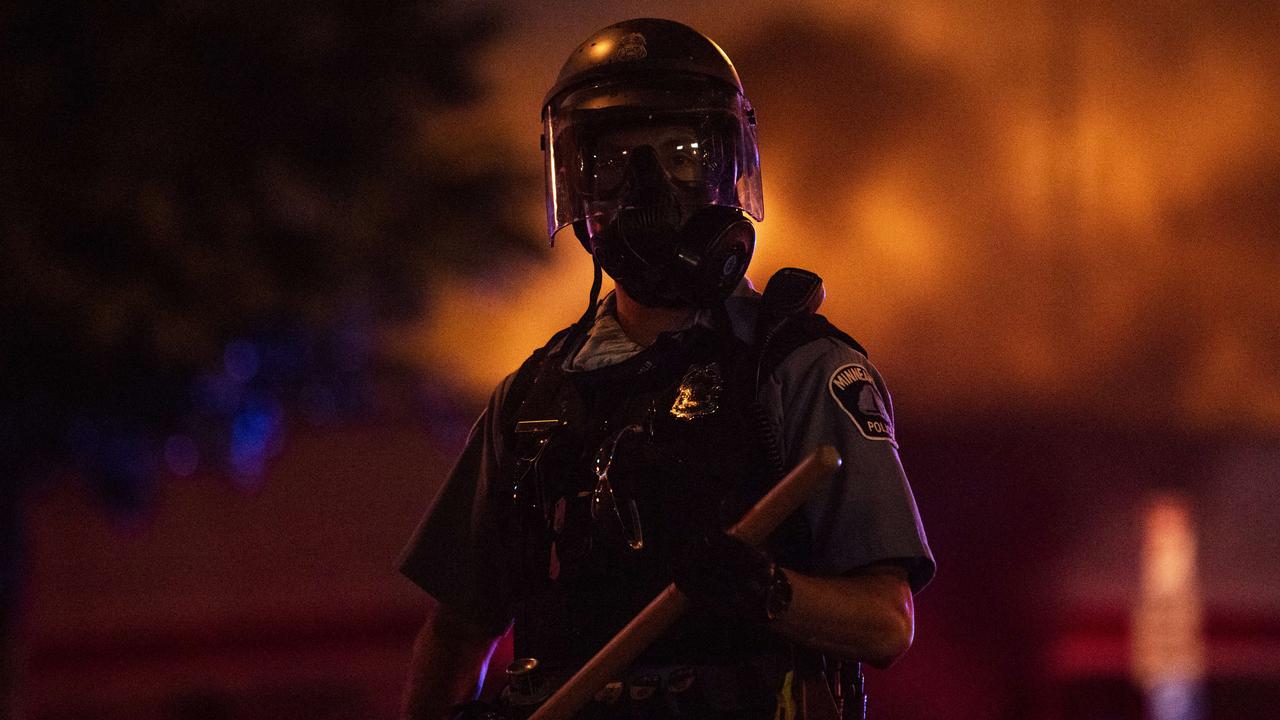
<point>699,393</point>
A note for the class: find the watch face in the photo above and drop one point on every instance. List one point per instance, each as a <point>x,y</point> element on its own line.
<point>779,597</point>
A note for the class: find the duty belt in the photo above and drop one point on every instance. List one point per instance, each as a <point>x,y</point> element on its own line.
<point>746,690</point>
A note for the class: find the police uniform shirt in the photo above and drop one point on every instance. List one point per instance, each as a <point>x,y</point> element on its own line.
<point>824,392</point>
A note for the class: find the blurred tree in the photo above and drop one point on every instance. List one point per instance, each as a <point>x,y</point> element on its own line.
<point>207,209</point>
<point>243,188</point>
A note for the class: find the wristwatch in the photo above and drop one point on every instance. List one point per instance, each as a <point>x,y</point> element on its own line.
<point>778,597</point>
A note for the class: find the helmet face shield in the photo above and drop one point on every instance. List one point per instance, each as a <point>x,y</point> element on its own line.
<point>613,146</point>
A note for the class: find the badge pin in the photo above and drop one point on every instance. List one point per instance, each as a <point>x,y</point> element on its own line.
<point>699,393</point>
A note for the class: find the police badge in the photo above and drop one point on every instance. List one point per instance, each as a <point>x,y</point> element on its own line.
<point>699,393</point>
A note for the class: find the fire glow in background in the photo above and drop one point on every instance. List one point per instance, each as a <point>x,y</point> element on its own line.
<point>1027,207</point>
<point>1055,226</point>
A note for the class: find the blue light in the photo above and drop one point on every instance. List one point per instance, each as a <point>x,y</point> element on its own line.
<point>1176,700</point>
<point>255,432</point>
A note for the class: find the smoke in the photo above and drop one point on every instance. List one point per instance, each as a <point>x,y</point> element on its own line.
<point>1057,212</point>
<point>1033,210</point>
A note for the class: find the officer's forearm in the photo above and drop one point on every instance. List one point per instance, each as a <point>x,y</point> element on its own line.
<point>448,656</point>
<point>867,617</point>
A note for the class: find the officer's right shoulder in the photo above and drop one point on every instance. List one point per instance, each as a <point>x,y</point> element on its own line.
<point>499,396</point>
<point>515,387</point>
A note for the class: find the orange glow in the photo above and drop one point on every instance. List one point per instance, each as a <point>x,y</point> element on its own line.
<point>480,331</point>
<point>1003,200</point>
<point>602,49</point>
<point>1167,642</point>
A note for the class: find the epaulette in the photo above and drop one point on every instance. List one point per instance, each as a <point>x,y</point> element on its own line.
<point>789,319</point>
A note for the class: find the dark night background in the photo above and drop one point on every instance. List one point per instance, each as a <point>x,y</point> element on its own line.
<point>262,264</point>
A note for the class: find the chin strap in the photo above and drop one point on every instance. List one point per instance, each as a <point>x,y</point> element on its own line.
<point>589,316</point>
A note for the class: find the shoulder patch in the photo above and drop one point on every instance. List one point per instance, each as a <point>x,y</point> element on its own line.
<point>854,390</point>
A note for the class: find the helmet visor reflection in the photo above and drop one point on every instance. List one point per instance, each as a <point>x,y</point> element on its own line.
<point>690,155</point>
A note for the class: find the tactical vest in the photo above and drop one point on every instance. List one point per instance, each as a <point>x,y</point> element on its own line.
<point>689,449</point>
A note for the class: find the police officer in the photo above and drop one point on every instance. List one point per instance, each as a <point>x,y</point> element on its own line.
<point>612,461</point>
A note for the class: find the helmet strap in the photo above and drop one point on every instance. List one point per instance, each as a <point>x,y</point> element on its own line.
<point>597,279</point>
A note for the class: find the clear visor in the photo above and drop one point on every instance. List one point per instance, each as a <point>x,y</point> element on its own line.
<point>607,145</point>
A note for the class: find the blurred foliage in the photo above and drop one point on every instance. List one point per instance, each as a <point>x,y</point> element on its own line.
<point>208,209</point>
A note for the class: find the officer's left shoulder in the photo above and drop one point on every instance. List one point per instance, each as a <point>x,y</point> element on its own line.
<point>811,344</point>
<point>838,375</point>
<point>824,356</point>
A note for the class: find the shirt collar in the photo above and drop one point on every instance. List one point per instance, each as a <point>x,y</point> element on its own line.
<point>607,344</point>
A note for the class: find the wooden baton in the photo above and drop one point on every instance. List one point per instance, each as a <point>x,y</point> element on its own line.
<point>785,498</point>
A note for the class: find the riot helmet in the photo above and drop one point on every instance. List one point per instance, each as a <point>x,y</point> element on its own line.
<point>650,150</point>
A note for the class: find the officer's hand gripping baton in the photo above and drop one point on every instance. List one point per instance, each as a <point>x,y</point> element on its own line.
<point>785,498</point>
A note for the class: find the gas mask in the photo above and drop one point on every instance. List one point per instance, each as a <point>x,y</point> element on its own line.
<point>664,250</point>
